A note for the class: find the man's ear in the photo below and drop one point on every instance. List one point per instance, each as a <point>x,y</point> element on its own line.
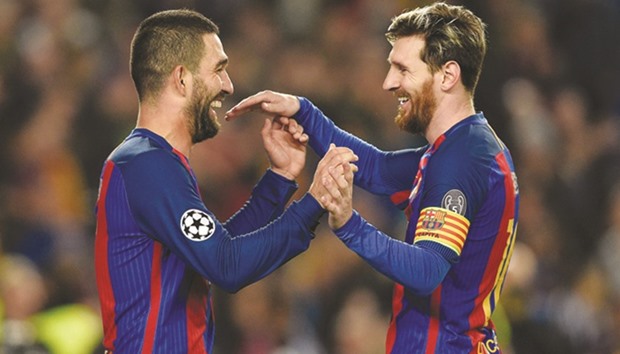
<point>180,78</point>
<point>451,72</point>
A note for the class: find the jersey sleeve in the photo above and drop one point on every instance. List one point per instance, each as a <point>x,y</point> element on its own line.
<point>168,208</point>
<point>380,172</point>
<point>266,203</point>
<point>418,269</point>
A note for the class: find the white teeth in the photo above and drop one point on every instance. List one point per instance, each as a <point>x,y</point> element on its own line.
<point>216,104</point>
<point>403,100</point>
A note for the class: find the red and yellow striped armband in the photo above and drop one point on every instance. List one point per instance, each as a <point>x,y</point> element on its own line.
<point>442,226</point>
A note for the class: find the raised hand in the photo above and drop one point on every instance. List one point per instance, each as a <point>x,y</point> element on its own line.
<point>285,143</point>
<point>270,102</point>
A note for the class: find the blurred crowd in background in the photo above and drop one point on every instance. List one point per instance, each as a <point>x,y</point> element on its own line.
<point>550,87</point>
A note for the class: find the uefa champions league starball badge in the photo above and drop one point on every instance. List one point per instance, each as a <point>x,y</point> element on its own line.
<point>197,225</point>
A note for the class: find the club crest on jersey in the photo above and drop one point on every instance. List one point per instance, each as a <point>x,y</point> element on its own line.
<point>433,219</point>
<point>197,225</point>
<point>454,201</point>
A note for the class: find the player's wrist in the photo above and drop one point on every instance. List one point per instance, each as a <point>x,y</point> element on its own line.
<point>284,173</point>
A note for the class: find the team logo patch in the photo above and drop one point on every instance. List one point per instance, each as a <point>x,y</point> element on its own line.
<point>197,225</point>
<point>454,201</point>
<point>433,219</point>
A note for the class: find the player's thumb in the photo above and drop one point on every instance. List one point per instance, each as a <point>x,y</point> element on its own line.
<point>267,107</point>
<point>266,128</point>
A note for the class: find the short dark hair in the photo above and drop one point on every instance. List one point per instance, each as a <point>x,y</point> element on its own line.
<point>450,32</point>
<point>163,41</point>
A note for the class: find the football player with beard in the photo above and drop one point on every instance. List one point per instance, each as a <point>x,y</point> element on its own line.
<point>459,193</point>
<point>158,248</point>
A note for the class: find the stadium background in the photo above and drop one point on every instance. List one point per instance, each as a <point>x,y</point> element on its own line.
<point>549,87</point>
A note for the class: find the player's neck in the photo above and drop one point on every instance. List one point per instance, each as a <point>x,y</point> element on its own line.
<point>167,122</point>
<point>446,116</point>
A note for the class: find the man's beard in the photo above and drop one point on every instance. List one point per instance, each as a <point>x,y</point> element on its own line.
<point>423,107</point>
<point>201,125</point>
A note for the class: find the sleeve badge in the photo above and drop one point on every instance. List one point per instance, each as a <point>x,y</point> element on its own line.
<point>197,225</point>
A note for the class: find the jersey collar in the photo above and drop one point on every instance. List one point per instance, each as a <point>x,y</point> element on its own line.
<point>477,118</point>
<point>160,140</point>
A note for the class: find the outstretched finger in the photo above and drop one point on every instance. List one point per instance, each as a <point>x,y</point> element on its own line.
<point>268,102</point>
<point>244,106</point>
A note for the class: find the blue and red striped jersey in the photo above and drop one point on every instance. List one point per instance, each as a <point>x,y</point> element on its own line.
<point>461,199</point>
<point>158,248</point>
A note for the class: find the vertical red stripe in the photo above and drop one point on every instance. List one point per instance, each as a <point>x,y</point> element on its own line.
<point>397,306</point>
<point>196,310</point>
<point>183,158</point>
<point>433,325</point>
<point>400,197</point>
<point>104,284</point>
<point>509,212</point>
<point>477,318</point>
<point>155,301</point>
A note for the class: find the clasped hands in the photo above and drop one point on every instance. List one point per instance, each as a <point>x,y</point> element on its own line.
<point>332,185</point>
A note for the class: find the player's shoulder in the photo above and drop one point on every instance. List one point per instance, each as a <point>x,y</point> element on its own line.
<point>472,139</point>
<point>146,155</point>
<point>141,144</point>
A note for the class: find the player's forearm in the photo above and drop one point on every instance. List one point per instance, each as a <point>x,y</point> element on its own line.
<point>267,202</point>
<point>418,269</point>
<point>380,172</point>
<point>244,259</point>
